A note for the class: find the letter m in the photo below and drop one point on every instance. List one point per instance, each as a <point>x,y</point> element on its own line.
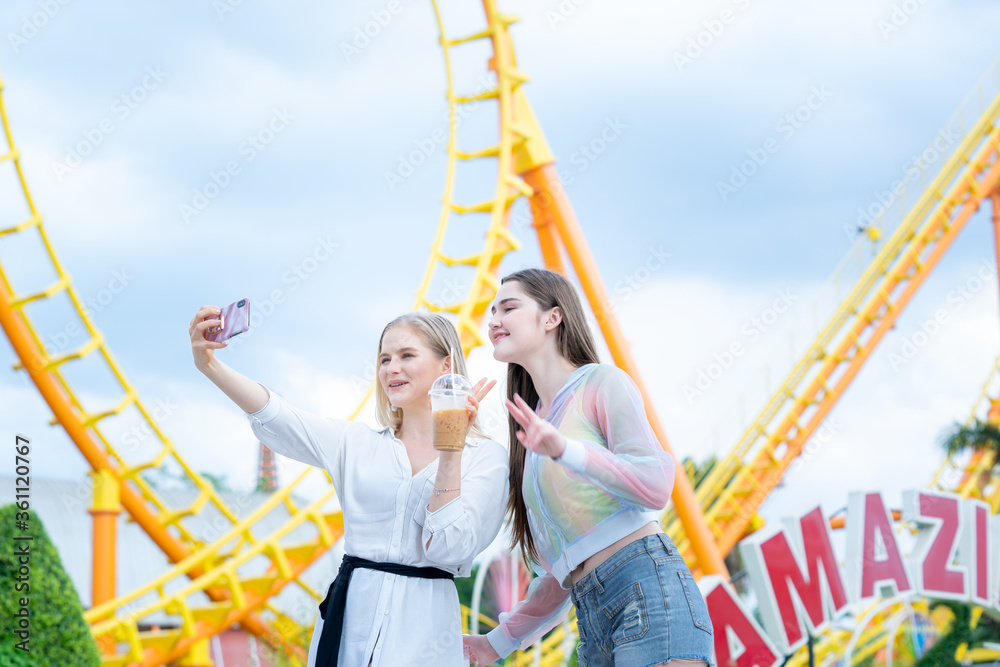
<point>794,572</point>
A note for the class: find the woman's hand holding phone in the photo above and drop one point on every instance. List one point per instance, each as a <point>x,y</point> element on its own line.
<point>207,324</point>
<point>205,321</point>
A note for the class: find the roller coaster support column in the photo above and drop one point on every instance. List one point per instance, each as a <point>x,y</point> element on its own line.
<point>107,507</point>
<point>551,208</point>
<point>200,655</point>
<point>555,221</point>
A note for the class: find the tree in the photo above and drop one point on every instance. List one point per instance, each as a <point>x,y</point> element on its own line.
<point>942,654</point>
<point>979,436</point>
<point>49,604</point>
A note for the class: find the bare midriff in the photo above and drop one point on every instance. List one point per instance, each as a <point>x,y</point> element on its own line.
<point>607,552</point>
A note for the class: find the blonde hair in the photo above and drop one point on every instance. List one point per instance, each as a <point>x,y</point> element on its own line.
<point>440,337</point>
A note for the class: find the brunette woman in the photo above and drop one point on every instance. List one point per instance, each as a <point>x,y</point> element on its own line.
<point>588,479</point>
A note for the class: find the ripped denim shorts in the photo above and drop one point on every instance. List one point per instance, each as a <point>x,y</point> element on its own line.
<point>642,607</point>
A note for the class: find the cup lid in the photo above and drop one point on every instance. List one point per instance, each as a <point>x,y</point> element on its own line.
<point>451,384</point>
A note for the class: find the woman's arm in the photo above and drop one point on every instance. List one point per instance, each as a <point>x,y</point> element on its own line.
<point>449,470</point>
<point>633,465</point>
<point>243,391</point>
<point>458,531</point>
<point>299,435</point>
<point>545,607</point>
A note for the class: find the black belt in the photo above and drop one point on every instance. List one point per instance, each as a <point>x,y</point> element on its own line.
<point>329,639</point>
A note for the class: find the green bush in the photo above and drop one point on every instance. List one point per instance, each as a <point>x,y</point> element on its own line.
<point>14,657</point>
<point>58,633</point>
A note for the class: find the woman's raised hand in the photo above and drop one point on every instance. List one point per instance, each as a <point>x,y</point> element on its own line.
<point>538,436</point>
<point>479,392</point>
<point>202,348</point>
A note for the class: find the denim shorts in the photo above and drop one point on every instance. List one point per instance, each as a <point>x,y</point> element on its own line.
<point>641,607</point>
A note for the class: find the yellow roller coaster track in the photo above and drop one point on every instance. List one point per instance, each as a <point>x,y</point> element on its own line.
<point>735,488</point>
<point>214,569</point>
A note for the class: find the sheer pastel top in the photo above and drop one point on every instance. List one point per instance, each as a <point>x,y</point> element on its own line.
<point>612,479</point>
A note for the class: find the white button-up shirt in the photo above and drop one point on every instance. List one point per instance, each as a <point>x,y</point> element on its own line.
<point>395,620</point>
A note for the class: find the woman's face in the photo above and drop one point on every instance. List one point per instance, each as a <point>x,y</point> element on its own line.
<point>516,326</point>
<point>407,367</point>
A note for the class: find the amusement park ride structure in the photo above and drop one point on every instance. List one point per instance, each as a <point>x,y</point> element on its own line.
<point>706,522</point>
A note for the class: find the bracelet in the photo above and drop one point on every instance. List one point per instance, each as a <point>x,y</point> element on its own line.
<point>438,492</point>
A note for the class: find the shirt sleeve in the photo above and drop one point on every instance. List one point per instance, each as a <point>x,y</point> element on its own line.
<point>633,466</point>
<point>545,607</point>
<point>468,524</point>
<point>302,436</point>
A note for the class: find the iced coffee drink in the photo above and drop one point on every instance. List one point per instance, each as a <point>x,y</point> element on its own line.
<point>449,411</point>
<point>449,429</point>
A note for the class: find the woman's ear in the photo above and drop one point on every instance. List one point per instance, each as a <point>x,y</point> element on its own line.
<point>553,319</point>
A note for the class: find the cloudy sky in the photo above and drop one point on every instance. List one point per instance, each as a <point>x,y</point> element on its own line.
<point>198,153</point>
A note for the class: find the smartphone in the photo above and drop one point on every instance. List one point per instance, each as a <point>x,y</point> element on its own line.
<point>235,320</point>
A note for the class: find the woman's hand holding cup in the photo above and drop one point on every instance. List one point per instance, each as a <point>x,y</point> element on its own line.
<point>454,408</point>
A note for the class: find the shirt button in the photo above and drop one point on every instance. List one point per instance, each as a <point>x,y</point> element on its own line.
<point>388,576</point>
<point>386,612</point>
<point>395,543</point>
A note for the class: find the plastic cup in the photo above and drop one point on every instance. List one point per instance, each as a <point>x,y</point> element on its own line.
<point>449,411</point>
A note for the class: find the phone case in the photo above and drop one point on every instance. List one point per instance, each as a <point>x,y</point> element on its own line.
<point>235,320</point>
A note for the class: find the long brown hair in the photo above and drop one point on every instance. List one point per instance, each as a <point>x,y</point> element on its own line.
<point>439,335</point>
<point>575,343</point>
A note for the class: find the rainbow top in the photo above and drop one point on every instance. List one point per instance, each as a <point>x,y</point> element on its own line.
<point>612,479</point>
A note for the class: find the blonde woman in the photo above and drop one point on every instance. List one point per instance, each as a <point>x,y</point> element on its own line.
<point>414,517</point>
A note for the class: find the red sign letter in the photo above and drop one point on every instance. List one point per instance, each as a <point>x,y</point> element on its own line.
<point>939,516</point>
<point>739,641</point>
<point>975,548</point>
<point>796,578</point>
<point>873,556</point>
